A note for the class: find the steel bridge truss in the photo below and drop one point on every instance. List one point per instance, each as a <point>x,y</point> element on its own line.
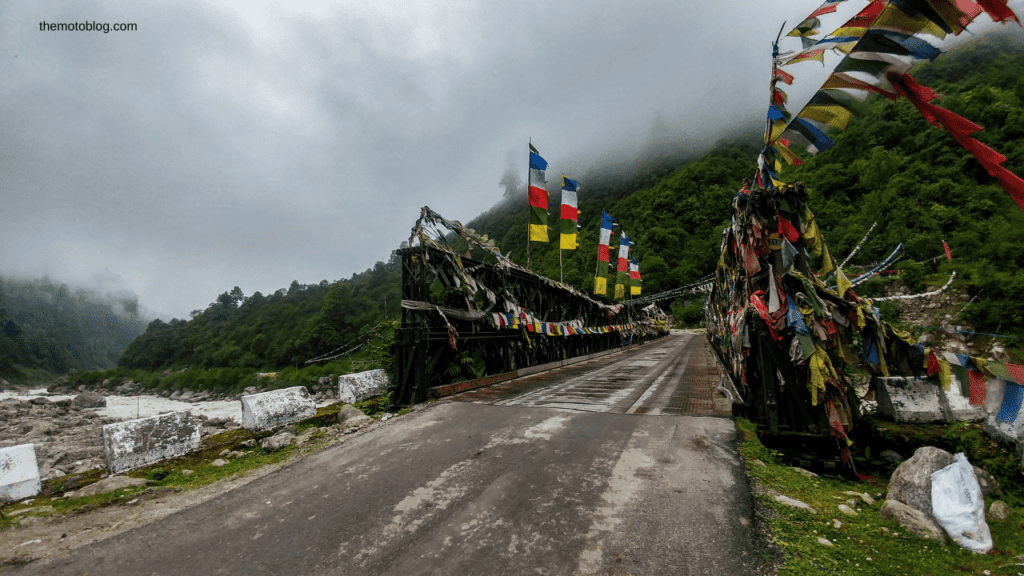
<point>464,319</point>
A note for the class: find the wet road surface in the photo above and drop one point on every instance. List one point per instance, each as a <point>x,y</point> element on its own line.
<point>590,471</point>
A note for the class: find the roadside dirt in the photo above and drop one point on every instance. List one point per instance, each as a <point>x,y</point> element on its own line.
<point>37,538</point>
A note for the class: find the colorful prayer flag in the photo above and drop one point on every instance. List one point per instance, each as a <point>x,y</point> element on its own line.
<point>634,277</point>
<point>622,272</point>
<point>570,213</point>
<point>538,198</point>
<point>605,239</point>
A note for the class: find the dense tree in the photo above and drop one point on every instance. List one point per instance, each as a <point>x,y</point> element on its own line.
<point>53,327</point>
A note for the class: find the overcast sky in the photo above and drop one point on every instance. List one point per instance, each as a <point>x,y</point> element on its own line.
<point>255,143</point>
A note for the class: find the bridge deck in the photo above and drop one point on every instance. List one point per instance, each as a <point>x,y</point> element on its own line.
<point>674,375</point>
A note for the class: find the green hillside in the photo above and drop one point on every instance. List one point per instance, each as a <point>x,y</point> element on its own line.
<point>889,166</point>
<point>49,327</point>
<point>286,328</point>
<point>921,186</point>
<point>674,215</point>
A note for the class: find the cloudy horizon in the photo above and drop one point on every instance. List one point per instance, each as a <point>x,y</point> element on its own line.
<point>252,144</point>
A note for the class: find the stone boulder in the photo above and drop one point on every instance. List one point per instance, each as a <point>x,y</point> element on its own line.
<point>89,400</point>
<point>988,484</point>
<point>999,511</point>
<point>107,485</point>
<point>916,521</point>
<point>277,441</point>
<point>350,416</point>
<point>911,483</point>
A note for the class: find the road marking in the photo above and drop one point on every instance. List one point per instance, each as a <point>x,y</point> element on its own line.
<point>623,485</point>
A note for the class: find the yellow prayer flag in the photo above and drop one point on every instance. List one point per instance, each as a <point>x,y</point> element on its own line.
<point>826,262</point>
<point>945,376</point>
<point>842,285</point>
<point>835,116</point>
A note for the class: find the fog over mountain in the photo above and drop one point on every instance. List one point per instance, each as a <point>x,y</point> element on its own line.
<point>255,143</point>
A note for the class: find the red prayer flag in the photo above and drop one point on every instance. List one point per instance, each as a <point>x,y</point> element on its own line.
<point>949,257</point>
<point>998,10</point>
<point>977,380</point>
<point>933,364</point>
<point>788,230</point>
<point>1016,372</point>
<point>783,75</point>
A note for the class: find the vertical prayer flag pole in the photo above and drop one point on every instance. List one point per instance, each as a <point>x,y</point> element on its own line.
<point>603,247</point>
<point>529,188</point>
<point>567,237</point>
<point>538,197</point>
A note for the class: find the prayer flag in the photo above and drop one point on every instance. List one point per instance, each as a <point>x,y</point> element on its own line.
<point>622,273</point>
<point>1010,407</point>
<point>889,42</point>
<point>538,198</point>
<point>634,277</point>
<point>605,240</point>
<point>570,213</point>
<point>840,80</point>
<point>949,257</point>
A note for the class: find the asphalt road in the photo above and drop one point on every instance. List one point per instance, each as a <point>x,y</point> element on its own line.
<point>549,475</point>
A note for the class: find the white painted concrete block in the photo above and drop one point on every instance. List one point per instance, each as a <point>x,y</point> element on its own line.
<point>276,408</point>
<point>1009,434</point>
<point>994,389</point>
<point>361,386</point>
<point>961,406</point>
<point>19,472</point>
<point>909,399</point>
<point>135,443</point>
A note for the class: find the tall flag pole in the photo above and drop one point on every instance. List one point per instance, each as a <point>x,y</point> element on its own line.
<point>570,216</point>
<point>622,273</point>
<point>538,201</point>
<point>603,246</point>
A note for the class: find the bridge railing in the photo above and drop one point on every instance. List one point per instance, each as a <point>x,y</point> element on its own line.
<point>464,318</point>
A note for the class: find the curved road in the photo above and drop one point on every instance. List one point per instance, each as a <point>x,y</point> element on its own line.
<point>596,468</point>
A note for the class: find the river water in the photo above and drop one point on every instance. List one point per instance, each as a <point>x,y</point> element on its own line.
<point>129,407</point>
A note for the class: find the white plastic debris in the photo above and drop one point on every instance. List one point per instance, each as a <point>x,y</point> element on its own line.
<point>958,506</point>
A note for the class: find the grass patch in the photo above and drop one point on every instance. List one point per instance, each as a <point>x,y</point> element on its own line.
<point>866,543</point>
<point>170,475</point>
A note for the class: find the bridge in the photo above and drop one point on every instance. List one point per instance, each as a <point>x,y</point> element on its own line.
<point>617,464</point>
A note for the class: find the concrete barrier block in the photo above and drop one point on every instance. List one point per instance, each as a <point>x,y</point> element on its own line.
<point>276,408</point>
<point>909,400</point>
<point>361,386</point>
<point>19,472</point>
<point>135,443</point>
<point>961,408</point>
<point>994,389</point>
<point>1010,434</point>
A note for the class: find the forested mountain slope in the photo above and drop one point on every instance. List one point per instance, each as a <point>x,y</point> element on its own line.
<point>889,166</point>
<point>51,327</point>
<point>922,187</point>
<point>285,328</point>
